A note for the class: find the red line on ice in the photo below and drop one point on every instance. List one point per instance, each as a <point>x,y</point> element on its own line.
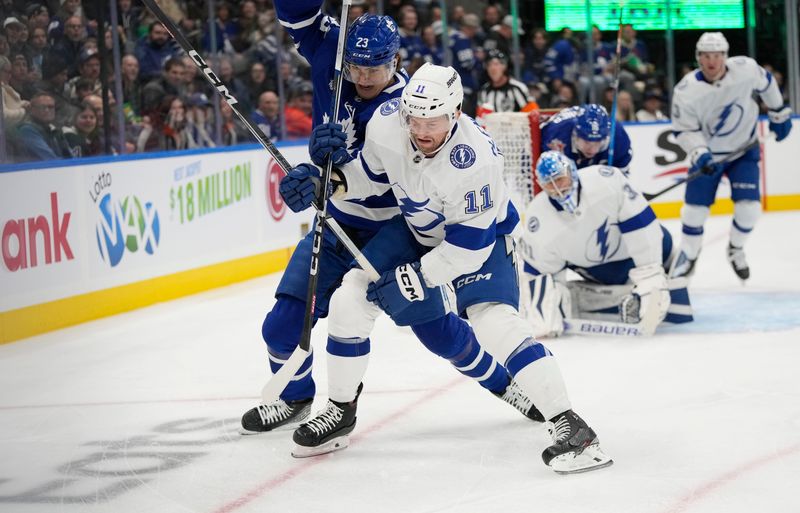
<point>710,486</point>
<point>315,461</point>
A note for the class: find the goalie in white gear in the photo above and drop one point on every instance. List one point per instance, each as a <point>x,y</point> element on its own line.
<point>593,222</point>
<point>446,174</point>
<point>714,116</point>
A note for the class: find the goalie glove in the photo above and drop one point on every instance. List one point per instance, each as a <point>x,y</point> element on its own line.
<point>551,302</point>
<point>649,300</point>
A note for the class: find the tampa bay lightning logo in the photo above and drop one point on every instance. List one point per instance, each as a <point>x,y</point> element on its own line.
<point>390,106</point>
<point>462,156</point>
<point>533,224</point>
<point>606,171</point>
<point>727,121</point>
<point>603,243</point>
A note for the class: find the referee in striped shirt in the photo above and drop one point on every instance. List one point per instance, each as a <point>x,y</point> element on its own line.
<point>502,93</point>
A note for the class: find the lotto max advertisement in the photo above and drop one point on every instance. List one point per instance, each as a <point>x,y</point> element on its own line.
<point>108,235</point>
<point>72,230</point>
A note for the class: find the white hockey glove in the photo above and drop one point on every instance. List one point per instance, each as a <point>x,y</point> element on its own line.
<point>649,300</point>
<point>550,304</point>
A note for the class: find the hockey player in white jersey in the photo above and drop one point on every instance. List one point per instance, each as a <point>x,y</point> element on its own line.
<point>593,222</point>
<point>714,117</point>
<point>446,174</point>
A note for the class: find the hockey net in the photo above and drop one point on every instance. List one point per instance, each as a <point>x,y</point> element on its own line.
<point>518,136</point>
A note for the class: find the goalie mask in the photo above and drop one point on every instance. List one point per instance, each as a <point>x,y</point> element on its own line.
<point>558,177</point>
<point>592,129</point>
<point>371,54</point>
<point>430,106</point>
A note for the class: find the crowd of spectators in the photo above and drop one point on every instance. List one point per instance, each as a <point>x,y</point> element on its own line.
<point>52,92</point>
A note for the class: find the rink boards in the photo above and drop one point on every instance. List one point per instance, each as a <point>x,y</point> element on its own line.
<point>109,235</point>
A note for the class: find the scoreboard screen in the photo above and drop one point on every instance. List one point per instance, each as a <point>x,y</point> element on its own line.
<point>685,14</point>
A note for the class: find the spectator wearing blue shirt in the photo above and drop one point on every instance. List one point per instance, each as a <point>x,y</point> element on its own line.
<point>37,138</point>
<point>153,50</point>
<point>561,61</point>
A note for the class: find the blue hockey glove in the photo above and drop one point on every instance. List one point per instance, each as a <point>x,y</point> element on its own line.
<point>703,161</point>
<point>395,290</point>
<point>780,122</point>
<point>328,139</point>
<point>300,187</point>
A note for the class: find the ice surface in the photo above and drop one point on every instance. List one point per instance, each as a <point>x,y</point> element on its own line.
<point>138,412</point>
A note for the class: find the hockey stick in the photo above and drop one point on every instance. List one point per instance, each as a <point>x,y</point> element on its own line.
<point>616,89</point>
<point>272,390</point>
<point>281,378</point>
<point>257,133</point>
<point>691,176</point>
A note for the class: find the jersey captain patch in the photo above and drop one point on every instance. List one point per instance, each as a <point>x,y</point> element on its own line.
<point>462,156</point>
<point>390,106</point>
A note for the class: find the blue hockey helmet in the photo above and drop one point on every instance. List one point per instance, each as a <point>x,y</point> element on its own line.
<point>557,175</point>
<point>372,41</point>
<point>592,123</point>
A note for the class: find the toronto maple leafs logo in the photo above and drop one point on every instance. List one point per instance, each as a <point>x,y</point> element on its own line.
<point>347,120</point>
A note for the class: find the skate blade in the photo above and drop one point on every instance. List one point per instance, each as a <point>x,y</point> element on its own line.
<point>591,458</point>
<point>337,444</point>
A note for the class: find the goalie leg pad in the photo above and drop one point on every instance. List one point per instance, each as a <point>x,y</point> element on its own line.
<point>550,303</point>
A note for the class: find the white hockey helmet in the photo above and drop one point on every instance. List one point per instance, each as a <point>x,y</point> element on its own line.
<point>711,42</point>
<point>433,91</point>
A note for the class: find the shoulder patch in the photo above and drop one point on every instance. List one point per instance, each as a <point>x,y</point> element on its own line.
<point>605,170</point>
<point>462,156</point>
<point>533,224</point>
<point>390,106</point>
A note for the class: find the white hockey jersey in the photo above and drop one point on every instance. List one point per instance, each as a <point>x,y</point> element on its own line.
<point>455,202</point>
<point>614,223</point>
<point>722,115</point>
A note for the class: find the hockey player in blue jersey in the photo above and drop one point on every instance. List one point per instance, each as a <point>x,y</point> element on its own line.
<point>615,244</point>
<point>446,173</point>
<point>714,116</point>
<point>373,76</point>
<point>582,134</point>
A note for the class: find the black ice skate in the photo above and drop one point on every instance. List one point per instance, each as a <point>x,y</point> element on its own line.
<point>575,446</point>
<point>266,417</point>
<point>514,396</point>
<point>738,262</point>
<point>683,266</point>
<point>327,432</point>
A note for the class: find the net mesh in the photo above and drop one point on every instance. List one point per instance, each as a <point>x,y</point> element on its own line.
<point>517,135</point>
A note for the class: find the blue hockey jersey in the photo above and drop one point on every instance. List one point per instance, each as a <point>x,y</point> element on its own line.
<point>558,135</point>
<point>316,36</point>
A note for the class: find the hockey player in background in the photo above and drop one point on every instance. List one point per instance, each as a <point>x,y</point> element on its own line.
<point>373,76</point>
<point>447,175</point>
<point>615,244</point>
<point>582,133</point>
<point>714,117</point>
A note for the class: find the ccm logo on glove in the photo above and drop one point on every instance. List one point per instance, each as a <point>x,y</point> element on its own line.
<point>410,286</point>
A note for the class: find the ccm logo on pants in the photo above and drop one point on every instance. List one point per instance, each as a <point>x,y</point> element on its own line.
<point>466,280</point>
